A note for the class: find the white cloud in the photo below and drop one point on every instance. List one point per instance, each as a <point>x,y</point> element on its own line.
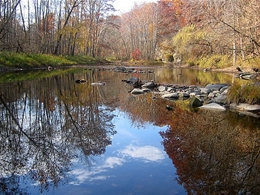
<point>148,153</point>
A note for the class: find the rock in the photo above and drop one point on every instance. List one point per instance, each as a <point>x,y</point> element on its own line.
<point>134,81</point>
<point>161,88</point>
<point>195,93</point>
<point>195,102</point>
<point>149,84</point>
<point>146,90</point>
<point>216,87</point>
<point>80,81</point>
<point>171,95</point>
<point>221,99</point>
<point>211,95</point>
<point>137,91</point>
<point>213,106</point>
<point>184,94</point>
<point>205,90</point>
<point>224,89</point>
<point>119,69</point>
<point>247,113</point>
<point>244,106</point>
<point>170,108</point>
<point>247,76</point>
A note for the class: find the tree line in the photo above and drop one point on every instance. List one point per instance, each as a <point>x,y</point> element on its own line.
<point>182,28</point>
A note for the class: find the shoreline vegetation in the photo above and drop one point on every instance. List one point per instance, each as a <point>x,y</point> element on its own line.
<point>20,61</point>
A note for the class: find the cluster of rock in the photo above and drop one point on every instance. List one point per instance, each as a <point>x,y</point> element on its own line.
<point>212,96</point>
<point>130,70</point>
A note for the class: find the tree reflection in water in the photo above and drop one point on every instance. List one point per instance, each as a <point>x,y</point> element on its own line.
<point>45,125</point>
<point>212,154</point>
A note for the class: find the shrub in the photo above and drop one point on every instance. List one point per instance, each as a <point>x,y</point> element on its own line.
<point>244,94</point>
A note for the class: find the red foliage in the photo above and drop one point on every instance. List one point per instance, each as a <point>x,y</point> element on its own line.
<point>136,54</point>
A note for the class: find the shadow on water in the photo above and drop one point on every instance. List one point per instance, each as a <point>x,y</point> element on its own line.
<point>48,122</point>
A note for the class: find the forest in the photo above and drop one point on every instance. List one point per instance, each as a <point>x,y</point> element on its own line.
<point>218,32</point>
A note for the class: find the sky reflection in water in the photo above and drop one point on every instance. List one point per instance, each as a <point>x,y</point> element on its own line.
<point>135,163</point>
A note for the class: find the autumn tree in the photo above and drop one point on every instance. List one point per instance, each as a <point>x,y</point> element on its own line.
<point>139,30</point>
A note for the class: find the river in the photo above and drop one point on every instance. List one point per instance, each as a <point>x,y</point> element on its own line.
<point>61,137</point>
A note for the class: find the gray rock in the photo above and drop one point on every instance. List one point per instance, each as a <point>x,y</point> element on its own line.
<point>195,93</point>
<point>213,106</point>
<point>247,76</point>
<point>224,89</point>
<point>247,113</point>
<point>215,87</point>
<point>211,95</point>
<point>171,95</point>
<point>221,99</point>
<point>149,84</point>
<point>244,106</point>
<point>146,90</point>
<point>205,90</point>
<point>184,94</point>
<point>137,91</point>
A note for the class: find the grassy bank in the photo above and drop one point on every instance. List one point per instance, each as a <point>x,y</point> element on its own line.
<point>10,60</point>
<point>223,62</point>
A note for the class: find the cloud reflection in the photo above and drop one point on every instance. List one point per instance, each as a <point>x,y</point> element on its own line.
<point>111,162</point>
<point>83,175</point>
<point>148,153</point>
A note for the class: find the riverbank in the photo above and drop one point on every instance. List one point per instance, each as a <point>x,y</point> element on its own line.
<point>20,61</point>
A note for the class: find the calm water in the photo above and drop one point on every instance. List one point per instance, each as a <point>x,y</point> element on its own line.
<point>60,137</point>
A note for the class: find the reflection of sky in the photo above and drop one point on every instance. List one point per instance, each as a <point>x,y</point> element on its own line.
<point>135,163</point>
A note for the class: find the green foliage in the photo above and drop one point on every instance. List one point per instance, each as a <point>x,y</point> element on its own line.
<point>186,41</point>
<point>251,62</point>
<point>215,61</point>
<point>81,59</point>
<point>21,60</point>
<point>244,94</point>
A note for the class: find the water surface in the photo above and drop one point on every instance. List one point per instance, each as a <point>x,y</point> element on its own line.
<point>60,137</point>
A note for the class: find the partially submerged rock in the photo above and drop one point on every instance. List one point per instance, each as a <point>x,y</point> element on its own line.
<point>244,106</point>
<point>137,91</point>
<point>213,106</point>
<point>80,80</point>
<point>149,84</point>
<point>213,96</point>
<point>171,95</point>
